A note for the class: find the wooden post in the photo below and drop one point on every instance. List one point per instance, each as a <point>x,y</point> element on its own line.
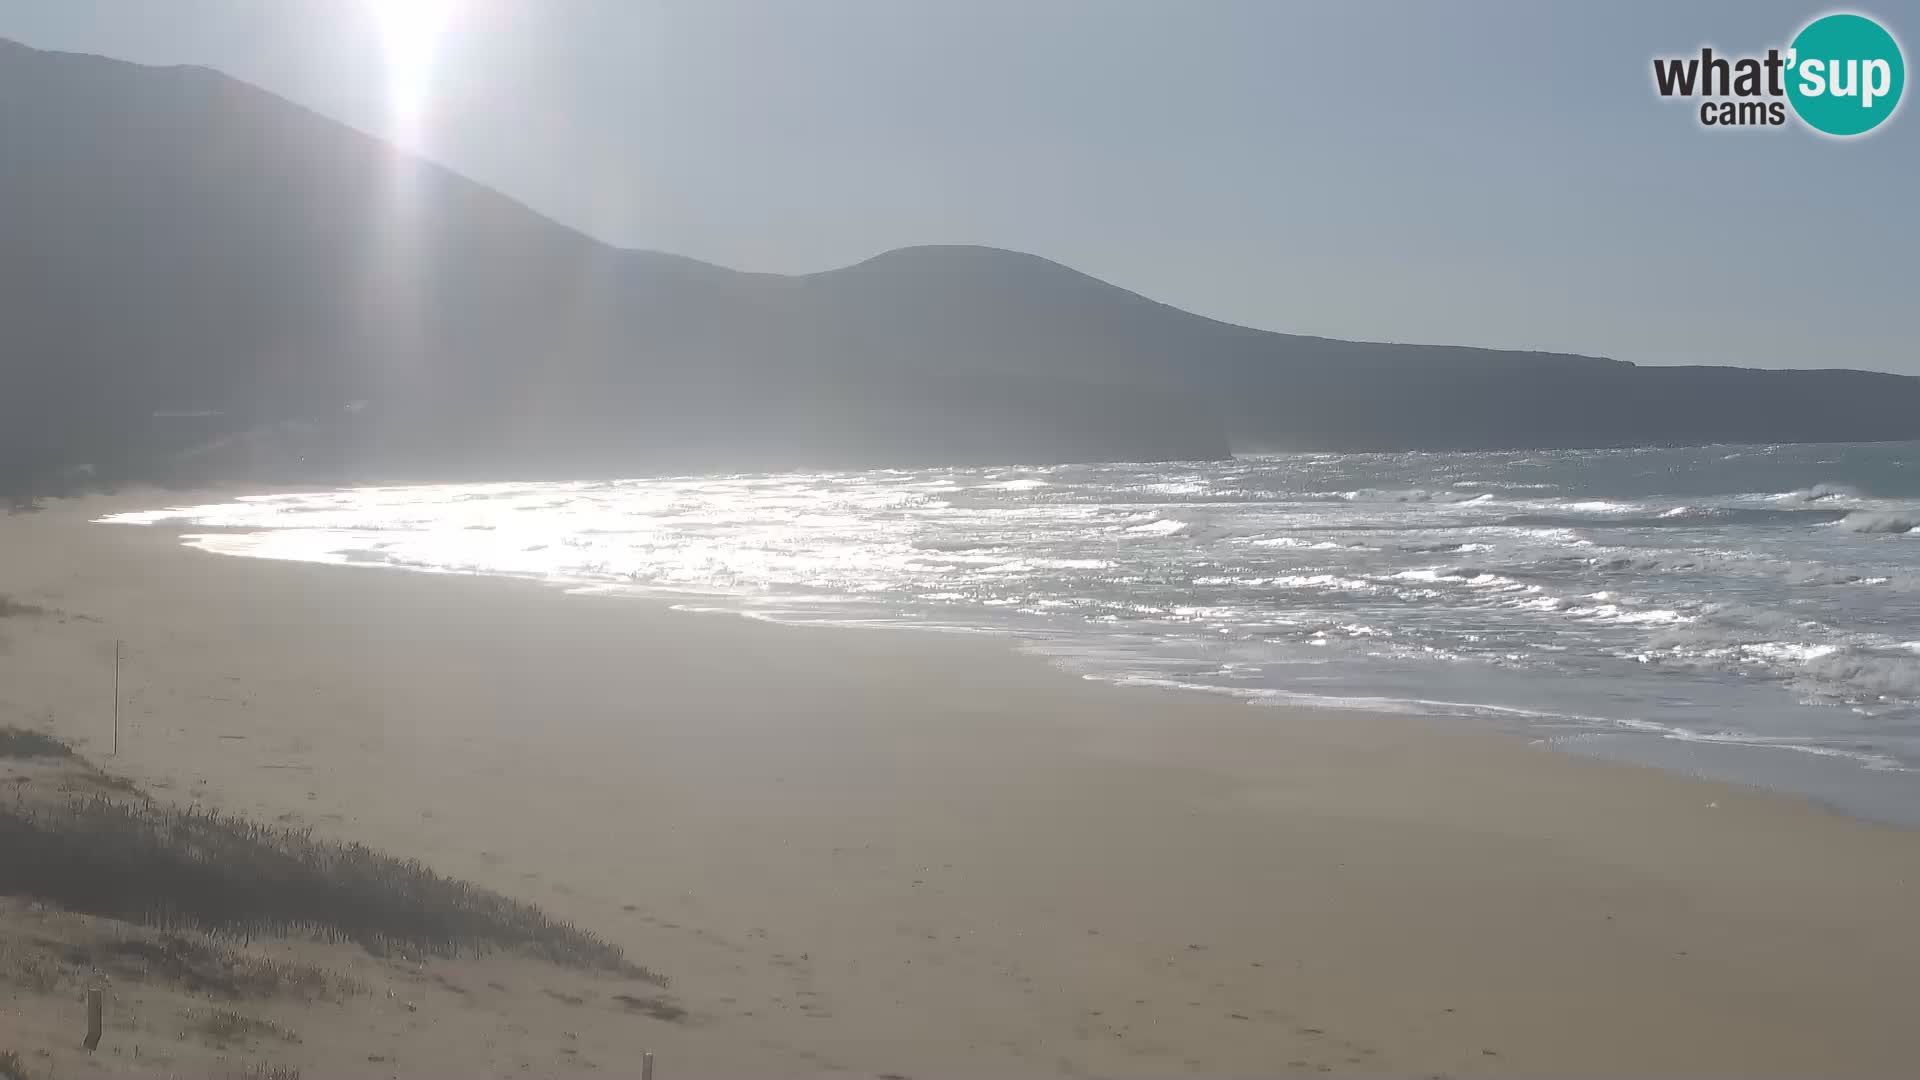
<point>646,1066</point>
<point>116,697</point>
<point>93,1018</point>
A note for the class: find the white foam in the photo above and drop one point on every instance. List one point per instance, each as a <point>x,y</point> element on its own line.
<point>1309,545</point>
<point>1614,613</point>
<point>1819,493</point>
<point>1331,582</point>
<point>1877,762</point>
<point>1788,652</point>
<point>1173,487</point>
<point>1876,521</point>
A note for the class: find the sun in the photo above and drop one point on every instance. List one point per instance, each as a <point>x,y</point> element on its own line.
<point>410,32</point>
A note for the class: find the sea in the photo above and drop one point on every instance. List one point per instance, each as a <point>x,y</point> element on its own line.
<point>1749,613</point>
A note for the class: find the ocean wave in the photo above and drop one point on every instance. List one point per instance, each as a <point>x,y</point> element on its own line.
<point>1304,544</point>
<point>1470,576</point>
<point>1877,521</point>
<point>1638,565</point>
<point>1070,564</point>
<point>962,545</point>
<point>1827,575</point>
<point>1626,616</point>
<point>1328,582</point>
<point>1455,548</point>
<point>1158,527</point>
<point>1545,603</point>
<point>1854,675</point>
<point>1820,492</point>
<point>1400,495</point>
<point>1171,487</point>
<point>1737,616</point>
<point>1789,651</point>
<point>1722,515</point>
<point>1821,664</point>
<point>1556,535</point>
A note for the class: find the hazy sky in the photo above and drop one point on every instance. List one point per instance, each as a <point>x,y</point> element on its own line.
<point>1486,174</point>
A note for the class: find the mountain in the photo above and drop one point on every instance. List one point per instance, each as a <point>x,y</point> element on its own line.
<point>190,264</point>
<point>197,277</point>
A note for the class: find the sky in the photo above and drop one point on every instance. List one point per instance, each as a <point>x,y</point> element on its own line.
<point>1493,173</point>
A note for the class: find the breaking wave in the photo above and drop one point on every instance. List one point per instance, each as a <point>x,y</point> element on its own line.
<point>1876,521</point>
<point>1823,491</point>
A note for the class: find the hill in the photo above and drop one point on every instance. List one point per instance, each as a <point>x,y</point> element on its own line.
<point>198,277</point>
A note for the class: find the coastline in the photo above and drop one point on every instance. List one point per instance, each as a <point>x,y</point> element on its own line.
<point>872,852</point>
<point>1744,634</point>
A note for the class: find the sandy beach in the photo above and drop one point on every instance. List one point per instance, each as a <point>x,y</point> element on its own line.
<point>873,853</point>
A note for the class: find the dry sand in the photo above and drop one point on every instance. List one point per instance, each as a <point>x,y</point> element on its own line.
<point>872,853</point>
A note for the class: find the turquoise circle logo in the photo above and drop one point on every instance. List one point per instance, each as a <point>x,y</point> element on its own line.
<point>1845,74</point>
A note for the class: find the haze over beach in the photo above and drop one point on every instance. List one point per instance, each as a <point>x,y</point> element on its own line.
<point>1416,573</point>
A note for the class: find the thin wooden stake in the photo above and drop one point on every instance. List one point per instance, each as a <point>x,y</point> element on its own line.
<point>646,1066</point>
<point>116,697</point>
<point>93,1018</point>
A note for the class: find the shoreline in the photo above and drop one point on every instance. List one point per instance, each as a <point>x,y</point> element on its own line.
<point>938,856</point>
<point>1870,784</point>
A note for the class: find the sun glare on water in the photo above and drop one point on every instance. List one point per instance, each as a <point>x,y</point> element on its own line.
<point>410,32</point>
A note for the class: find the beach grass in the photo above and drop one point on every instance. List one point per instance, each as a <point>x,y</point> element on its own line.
<point>19,743</point>
<point>9,607</point>
<point>181,870</point>
<point>190,868</point>
<point>197,963</point>
<point>227,1026</point>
